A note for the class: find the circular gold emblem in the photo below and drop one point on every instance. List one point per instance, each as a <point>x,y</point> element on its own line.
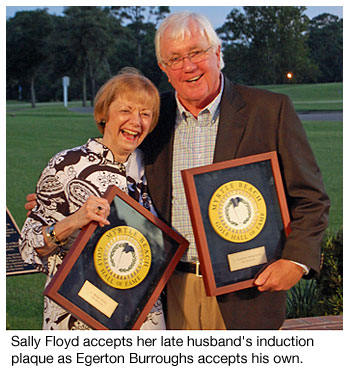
<point>237,211</point>
<point>122,257</point>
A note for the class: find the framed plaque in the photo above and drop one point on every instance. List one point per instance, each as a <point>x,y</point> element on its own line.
<point>113,275</point>
<point>14,262</point>
<point>240,219</point>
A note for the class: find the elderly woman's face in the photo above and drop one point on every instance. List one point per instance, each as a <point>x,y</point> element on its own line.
<point>128,124</point>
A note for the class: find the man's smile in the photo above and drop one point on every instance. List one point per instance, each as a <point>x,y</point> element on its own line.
<point>194,79</point>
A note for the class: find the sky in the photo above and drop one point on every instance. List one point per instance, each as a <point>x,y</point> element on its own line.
<point>216,14</point>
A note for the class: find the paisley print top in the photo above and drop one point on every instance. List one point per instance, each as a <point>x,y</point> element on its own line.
<point>70,177</point>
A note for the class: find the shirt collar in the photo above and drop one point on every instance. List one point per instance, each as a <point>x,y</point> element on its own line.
<point>213,107</point>
<point>99,148</point>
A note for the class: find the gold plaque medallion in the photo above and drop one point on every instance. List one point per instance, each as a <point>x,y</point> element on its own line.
<point>122,257</point>
<point>237,211</point>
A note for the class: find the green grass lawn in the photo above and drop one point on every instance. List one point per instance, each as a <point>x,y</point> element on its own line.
<point>35,135</point>
<point>24,301</point>
<point>309,97</point>
<point>326,139</point>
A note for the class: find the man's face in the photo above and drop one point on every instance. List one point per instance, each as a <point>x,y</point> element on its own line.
<point>197,84</point>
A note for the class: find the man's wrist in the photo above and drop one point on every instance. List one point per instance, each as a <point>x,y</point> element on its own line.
<point>304,267</point>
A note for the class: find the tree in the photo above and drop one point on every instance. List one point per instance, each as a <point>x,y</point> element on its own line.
<point>92,31</point>
<point>326,46</point>
<point>26,44</point>
<point>137,49</point>
<point>61,61</point>
<point>89,44</point>
<point>135,16</point>
<point>265,42</point>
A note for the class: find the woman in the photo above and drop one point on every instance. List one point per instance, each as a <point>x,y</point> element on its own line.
<point>70,187</point>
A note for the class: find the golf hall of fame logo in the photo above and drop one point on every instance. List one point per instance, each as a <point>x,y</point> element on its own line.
<point>122,257</point>
<point>237,211</point>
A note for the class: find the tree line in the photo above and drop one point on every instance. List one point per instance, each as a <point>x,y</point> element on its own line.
<point>261,44</point>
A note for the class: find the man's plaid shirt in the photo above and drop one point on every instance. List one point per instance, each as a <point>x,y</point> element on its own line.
<point>194,146</point>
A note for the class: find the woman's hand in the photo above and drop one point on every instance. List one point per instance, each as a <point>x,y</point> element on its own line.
<point>94,209</point>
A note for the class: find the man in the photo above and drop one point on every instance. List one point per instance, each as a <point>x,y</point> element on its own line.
<point>209,119</point>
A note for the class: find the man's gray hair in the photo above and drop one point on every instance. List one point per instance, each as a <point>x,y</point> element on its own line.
<point>179,23</point>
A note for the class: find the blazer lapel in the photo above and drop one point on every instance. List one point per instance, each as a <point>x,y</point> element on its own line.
<point>231,124</point>
<point>159,157</point>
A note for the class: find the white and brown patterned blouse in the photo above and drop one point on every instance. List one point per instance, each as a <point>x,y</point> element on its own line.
<point>70,177</point>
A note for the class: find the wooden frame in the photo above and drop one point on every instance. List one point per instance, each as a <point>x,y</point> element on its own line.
<point>209,192</point>
<point>80,270</point>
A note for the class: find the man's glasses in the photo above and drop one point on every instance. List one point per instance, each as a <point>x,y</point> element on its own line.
<point>176,63</point>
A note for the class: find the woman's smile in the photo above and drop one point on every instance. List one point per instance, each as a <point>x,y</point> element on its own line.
<point>127,126</point>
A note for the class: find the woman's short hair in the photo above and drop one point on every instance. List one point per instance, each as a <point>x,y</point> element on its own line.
<point>131,84</point>
<point>179,29</point>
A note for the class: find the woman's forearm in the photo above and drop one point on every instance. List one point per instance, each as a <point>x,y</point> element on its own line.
<point>94,209</point>
<point>62,230</point>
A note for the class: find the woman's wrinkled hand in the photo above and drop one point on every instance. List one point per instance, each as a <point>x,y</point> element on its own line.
<point>94,209</point>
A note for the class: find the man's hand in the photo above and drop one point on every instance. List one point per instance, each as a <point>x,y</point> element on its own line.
<point>31,203</point>
<point>281,275</point>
